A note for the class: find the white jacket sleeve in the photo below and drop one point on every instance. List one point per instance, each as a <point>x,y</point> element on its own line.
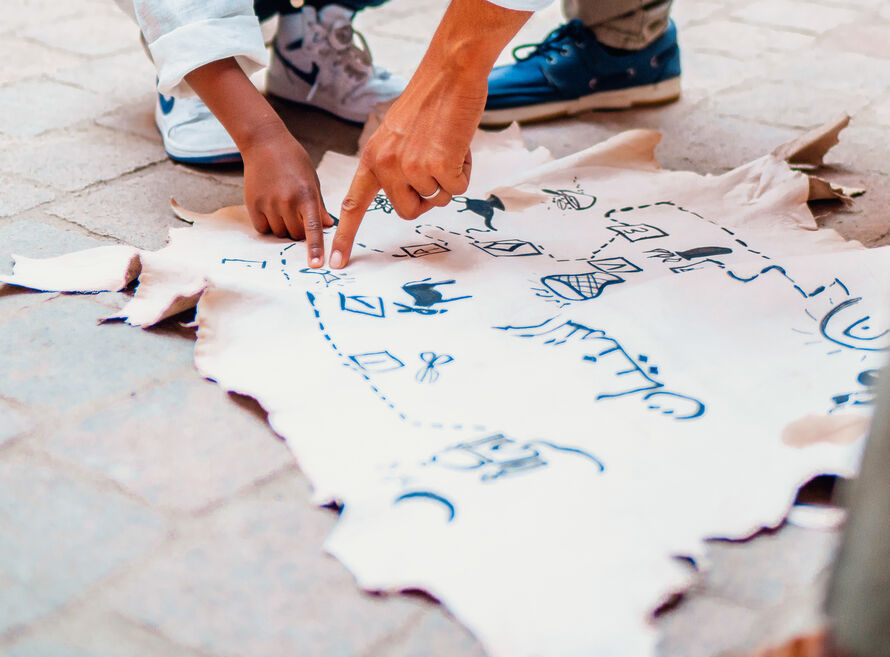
<point>521,5</point>
<point>183,35</point>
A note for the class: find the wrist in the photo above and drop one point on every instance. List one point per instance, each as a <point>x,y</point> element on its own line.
<point>470,38</point>
<point>261,135</point>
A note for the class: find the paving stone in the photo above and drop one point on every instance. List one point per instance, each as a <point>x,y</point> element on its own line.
<point>742,40</point>
<point>251,579</point>
<point>30,107</point>
<point>868,40</point>
<point>414,26</point>
<point>693,139</point>
<point>764,571</point>
<point>19,195</point>
<point>317,131</point>
<point>92,631</point>
<point>706,627</point>
<point>879,112</point>
<point>14,300</point>
<point>831,71</point>
<point>55,357</point>
<point>861,148</point>
<point>435,634</point>
<point>864,219</point>
<point>36,239</point>
<point>137,209</point>
<point>13,422</point>
<point>74,160</point>
<point>689,13</point>
<point>58,536</point>
<point>118,32</point>
<point>16,15</point>
<point>795,15</point>
<point>182,446</point>
<point>136,118</point>
<point>805,108</point>
<point>127,76</point>
<point>706,75</point>
<point>21,58</point>
<point>399,54</point>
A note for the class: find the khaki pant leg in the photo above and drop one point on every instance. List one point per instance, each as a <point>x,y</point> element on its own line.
<point>626,24</point>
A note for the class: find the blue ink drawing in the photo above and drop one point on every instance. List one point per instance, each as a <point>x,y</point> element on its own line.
<point>868,379</point>
<point>617,265</point>
<point>636,376</point>
<point>426,296</point>
<point>377,361</point>
<point>249,264</point>
<point>567,199</point>
<point>421,250</point>
<point>580,287</point>
<point>430,496</point>
<point>508,248</point>
<point>327,276</point>
<point>429,372</point>
<point>844,325</point>
<point>484,209</point>
<point>637,232</point>
<point>498,456</point>
<point>362,305</point>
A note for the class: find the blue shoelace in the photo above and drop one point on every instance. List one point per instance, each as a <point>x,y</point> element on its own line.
<point>554,43</point>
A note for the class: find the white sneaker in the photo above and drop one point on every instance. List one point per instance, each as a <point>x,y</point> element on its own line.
<point>191,133</point>
<point>316,62</point>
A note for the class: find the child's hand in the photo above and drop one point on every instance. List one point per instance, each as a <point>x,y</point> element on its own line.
<point>280,186</point>
<point>281,191</point>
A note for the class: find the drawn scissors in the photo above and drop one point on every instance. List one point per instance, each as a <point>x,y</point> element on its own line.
<point>429,373</point>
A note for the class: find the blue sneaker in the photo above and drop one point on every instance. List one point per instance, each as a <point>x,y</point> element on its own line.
<point>571,72</point>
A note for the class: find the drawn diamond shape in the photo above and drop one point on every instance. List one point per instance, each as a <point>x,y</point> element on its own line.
<point>377,361</point>
<point>615,265</point>
<point>508,248</point>
<point>362,305</point>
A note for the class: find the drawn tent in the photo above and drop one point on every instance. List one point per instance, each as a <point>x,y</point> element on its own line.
<point>529,401</point>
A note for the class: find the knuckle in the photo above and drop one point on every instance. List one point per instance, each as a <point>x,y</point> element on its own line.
<point>413,166</point>
<point>304,192</point>
<point>350,204</point>
<point>388,159</point>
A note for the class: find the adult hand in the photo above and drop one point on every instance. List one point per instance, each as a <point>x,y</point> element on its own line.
<point>420,155</point>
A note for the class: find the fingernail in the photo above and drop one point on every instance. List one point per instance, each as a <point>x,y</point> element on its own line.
<point>315,261</point>
<point>336,260</point>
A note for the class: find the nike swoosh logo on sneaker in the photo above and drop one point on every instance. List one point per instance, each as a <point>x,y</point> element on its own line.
<point>309,77</point>
<point>166,103</point>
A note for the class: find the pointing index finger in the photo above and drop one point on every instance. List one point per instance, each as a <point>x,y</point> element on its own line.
<point>361,193</point>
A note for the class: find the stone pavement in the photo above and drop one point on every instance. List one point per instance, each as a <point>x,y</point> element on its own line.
<point>145,513</point>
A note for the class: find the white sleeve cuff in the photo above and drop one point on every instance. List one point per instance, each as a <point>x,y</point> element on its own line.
<point>191,46</point>
<point>522,5</point>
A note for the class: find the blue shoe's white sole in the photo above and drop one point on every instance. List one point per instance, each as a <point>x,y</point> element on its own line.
<point>648,94</point>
